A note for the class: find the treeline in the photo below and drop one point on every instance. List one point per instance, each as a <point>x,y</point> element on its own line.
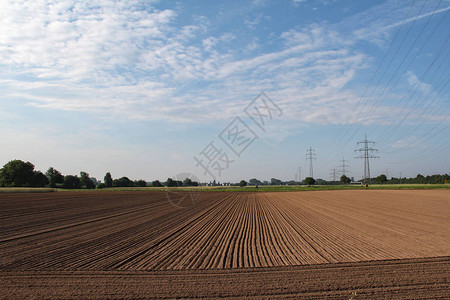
<point>420,179</point>
<point>18,173</point>
<point>381,179</point>
<point>126,182</point>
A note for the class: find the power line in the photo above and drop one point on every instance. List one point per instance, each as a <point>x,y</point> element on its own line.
<point>374,106</point>
<point>386,116</point>
<point>421,123</point>
<point>379,81</point>
<point>392,81</point>
<point>429,136</point>
<point>373,77</point>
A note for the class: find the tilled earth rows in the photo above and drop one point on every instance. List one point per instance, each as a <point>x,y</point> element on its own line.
<point>112,232</point>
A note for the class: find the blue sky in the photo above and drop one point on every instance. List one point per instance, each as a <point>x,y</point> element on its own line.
<point>140,88</point>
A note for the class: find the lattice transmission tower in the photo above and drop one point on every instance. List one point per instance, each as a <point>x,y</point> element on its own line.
<point>344,167</point>
<point>298,174</point>
<point>367,155</point>
<point>310,154</point>
<point>333,174</point>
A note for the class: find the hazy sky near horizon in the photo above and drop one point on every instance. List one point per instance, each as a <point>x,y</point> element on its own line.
<point>148,89</point>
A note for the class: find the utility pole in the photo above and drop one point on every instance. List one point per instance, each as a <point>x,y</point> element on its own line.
<point>333,174</point>
<point>367,154</point>
<point>310,154</point>
<point>344,168</point>
<point>298,175</point>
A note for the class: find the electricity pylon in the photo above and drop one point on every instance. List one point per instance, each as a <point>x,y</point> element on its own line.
<point>310,154</point>
<point>298,175</point>
<point>367,155</point>
<point>344,168</point>
<point>333,174</point>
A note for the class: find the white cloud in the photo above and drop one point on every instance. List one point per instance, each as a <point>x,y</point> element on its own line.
<point>85,42</point>
<point>253,45</point>
<point>129,61</point>
<point>402,143</point>
<point>297,2</point>
<point>395,14</point>
<point>254,22</point>
<point>416,83</point>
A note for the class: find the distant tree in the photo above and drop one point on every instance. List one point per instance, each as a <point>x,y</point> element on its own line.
<point>140,183</point>
<point>345,179</point>
<point>265,182</point>
<point>254,181</point>
<point>420,179</point>
<point>292,182</point>
<point>156,183</point>
<point>101,186</point>
<point>381,179</point>
<point>86,181</point>
<point>22,174</point>
<point>274,181</point>
<point>17,173</point>
<point>122,182</point>
<point>242,183</point>
<point>310,181</point>
<point>54,177</point>
<point>95,181</point>
<point>72,182</point>
<point>189,182</point>
<point>39,179</point>
<point>173,183</point>
<point>108,180</point>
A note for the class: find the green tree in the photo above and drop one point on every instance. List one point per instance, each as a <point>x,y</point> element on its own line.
<point>187,182</point>
<point>101,186</point>
<point>72,182</point>
<point>17,173</point>
<point>108,180</point>
<point>156,183</point>
<point>173,183</point>
<point>54,176</point>
<point>381,179</point>
<point>274,181</point>
<point>310,181</point>
<point>242,183</point>
<point>39,179</point>
<point>170,182</point>
<point>123,182</point>
<point>140,183</point>
<point>254,181</point>
<point>420,179</point>
<point>86,181</point>
<point>345,179</point>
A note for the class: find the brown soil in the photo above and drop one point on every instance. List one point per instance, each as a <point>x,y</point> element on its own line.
<point>138,244</point>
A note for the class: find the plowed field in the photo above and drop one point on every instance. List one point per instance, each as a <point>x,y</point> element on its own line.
<point>138,244</point>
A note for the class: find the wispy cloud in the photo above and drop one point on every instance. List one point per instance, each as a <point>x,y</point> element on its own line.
<point>132,60</point>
